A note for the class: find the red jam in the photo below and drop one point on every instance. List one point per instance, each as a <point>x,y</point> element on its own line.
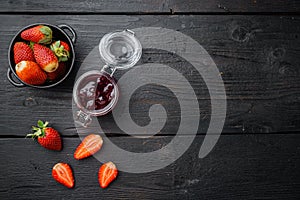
<point>95,93</point>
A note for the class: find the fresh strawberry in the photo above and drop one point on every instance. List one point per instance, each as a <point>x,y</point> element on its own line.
<point>65,45</point>
<point>107,173</point>
<point>45,58</point>
<point>89,146</point>
<point>47,137</point>
<point>22,52</point>
<point>38,34</point>
<point>61,50</point>
<point>62,173</point>
<point>31,73</point>
<point>58,73</point>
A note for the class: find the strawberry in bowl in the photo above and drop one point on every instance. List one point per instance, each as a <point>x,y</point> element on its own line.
<point>46,45</point>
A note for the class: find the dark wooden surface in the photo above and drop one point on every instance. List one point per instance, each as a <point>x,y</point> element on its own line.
<point>258,167</point>
<point>260,70</point>
<point>151,6</point>
<point>256,47</point>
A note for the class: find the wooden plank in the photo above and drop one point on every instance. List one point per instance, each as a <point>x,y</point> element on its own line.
<point>256,56</point>
<point>239,167</point>
<point>151,6</point>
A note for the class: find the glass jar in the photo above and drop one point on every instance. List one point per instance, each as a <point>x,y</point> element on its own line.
<point>96,92</point>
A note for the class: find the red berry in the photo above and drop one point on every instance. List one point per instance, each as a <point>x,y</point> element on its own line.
<point>58,73</point>
<point>47,137</point>
<point>30,73</point>
<point>61,50</point>
<point>38,34</point>
<point>22,52</point>
<point>62,173</point>
<point>89,146</point>
<point>107,173</point>
<point>45,58</point>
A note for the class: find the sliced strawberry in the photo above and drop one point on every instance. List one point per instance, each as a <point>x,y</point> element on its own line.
<point>30,73</point>
<point>107,173</point>
<point>48,137</point>
<point>89,146</point>
<point>22,52</point>
<point>63,174</point>
<point>45,58</point>
<point>38,34</point>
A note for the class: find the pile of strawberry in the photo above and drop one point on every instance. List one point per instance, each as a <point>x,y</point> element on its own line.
<point>38,59</point>
<point>62,172</point>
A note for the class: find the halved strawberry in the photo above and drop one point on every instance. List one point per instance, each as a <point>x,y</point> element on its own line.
<point>61,50</point>
<point>31,73</point>
<point>39,34</point>
<point>107,173</point>
<point>62,173</point>
<point>45,58</point>
<point>22,52</point>
<point>58,73</point>
<point>89,146</point>
<point>47,137</point>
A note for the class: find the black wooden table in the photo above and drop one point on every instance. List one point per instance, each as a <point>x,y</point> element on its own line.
<point>256,47</point>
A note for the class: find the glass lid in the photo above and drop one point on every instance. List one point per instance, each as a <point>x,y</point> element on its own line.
<point>120,49</point>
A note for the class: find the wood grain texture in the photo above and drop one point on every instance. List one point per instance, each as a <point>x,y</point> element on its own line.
<point>150,6</point>
<point>257,57</point>
<point>239,167</point>
<point>255,45</point>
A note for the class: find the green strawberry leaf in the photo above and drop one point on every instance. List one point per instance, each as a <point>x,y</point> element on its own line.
<point>40,124</point>
<point>31,44</point>
<point>38,131</point>
<point>57,44</point>
<point>63,59</point>
<point>46,30</point>
<point>46,124</point>
<point>52,48</point>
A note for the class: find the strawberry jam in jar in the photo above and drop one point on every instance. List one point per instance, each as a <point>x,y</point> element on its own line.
<point>96,92</point>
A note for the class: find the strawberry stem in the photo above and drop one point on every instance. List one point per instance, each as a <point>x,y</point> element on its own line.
<point>31,44</point>
<point>59,50</point>
<point>47,35</point>
<point>38,131</point>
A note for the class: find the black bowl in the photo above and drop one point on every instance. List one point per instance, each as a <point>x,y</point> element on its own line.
<point>58,34</point>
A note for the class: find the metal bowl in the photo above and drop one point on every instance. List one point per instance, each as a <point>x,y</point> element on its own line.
<point>58,34</point>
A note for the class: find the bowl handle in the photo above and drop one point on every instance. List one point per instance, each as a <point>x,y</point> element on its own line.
<point>9,77</point>
<point>65,26</point>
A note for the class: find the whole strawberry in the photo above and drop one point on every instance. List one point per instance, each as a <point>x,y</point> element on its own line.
<point>38,34</point>
<point>58,73</point>
<point>22,52</point>
<point>45,58</point>
<point>31,73</point>
<point>47,137</point>
<point>61,50</point>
